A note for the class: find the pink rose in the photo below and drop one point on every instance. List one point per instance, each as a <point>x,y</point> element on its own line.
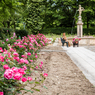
<point>5,66</point>
<point>31,60</point>
<point>1,93</point>
<point>41,62</point>
<point>15,69</point>
<point>24,79</point>
<point>8,74</point>
<point>14,34</point>
<point>15,54</point>
<point>36,56</point>
<point>17,76</point>
<point>40,65</point>
<point>24,67</point>
<point>22,55</point>
<point>3,42</point>
<point>1,58</point>
<point>1,50</point>
<point>20,46</point>
<point>29,78</point>
<point>21,60</point>
<point>20,70</point>
<point>11,37</point>
<point>29,54</point>
<point>7,39</point>
<point>25,44</point>
<point>36,67</point>
<point>45,74</point>
<point>16,58</point>
<point>26,61</point>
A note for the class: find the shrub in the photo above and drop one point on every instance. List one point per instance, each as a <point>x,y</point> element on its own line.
<point>17,64</point>
<point>21,33</point>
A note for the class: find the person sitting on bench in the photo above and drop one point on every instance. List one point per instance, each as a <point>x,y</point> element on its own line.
<point>65,39</point>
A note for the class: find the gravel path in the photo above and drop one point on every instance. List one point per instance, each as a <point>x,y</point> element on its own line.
<point>64,77</point>
<point>92,48</point>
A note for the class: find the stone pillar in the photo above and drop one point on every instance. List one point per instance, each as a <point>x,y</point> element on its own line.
<point>79,27</point>
<point>80,23</point>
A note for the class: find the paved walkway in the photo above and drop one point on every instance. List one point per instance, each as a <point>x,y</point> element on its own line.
<point>84,59</point>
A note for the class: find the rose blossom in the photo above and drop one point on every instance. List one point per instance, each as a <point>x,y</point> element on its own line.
<point>24,67</point>
<point>1,50</point>
<point>3,42</point>
<point>15,54</point>
<point>15,69</point>
<point>26,61</point>
<point>22,55</point>
<point>29,54</point>
<point>17,76</point>
<point>1,58</point>
<point>31,60</point>
<point>7,39</point>
<point>36,67</point>
<point>40,65</point>
<point>24,79</point>
<point>11,37</point>
<point>16,58</point>
<point>5,66</point>
<point>45,74</point>
<point>20,70</point>
<point>41,62</point>
<point>8,74</point>
<point>21,60</point>
<point>25,44</point>
<point>36,56</point>
<point>29,78</point>
<point>1,93</point>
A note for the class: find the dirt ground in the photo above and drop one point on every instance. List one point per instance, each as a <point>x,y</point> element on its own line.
<point>64,77</point>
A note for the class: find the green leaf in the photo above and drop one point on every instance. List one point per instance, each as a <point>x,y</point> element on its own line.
<point>31,82</point>
<point>37,89</point>
<point>45,87</point>
<point>37,82</point>
<point>28,90</point>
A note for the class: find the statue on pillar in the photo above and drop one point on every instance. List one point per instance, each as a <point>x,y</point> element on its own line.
<point>80,10</point>
<point>80,23</point>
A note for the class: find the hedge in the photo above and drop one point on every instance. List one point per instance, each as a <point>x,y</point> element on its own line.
<point>59,30</point>
<point>21,33</point>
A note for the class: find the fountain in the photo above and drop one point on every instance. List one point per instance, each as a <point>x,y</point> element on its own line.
<point>87,40</point>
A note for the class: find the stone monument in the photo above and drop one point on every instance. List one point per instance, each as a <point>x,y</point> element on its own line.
<point>80,23</point>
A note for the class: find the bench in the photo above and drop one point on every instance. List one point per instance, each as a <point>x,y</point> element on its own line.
<point>63,41</point>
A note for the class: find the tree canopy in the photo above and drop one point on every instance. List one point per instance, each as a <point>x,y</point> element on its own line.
<point>35,15</point>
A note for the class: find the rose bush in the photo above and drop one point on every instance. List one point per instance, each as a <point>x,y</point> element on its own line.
<point>17,64</point>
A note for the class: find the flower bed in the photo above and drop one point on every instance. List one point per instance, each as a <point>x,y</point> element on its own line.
<point>17,63</point>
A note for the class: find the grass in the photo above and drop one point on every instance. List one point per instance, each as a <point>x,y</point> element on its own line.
<point>54,36</point>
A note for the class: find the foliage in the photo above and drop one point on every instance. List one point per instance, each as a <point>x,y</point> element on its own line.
<point>34,15</point>
<point>6,32</point>
<point>21,32</point>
